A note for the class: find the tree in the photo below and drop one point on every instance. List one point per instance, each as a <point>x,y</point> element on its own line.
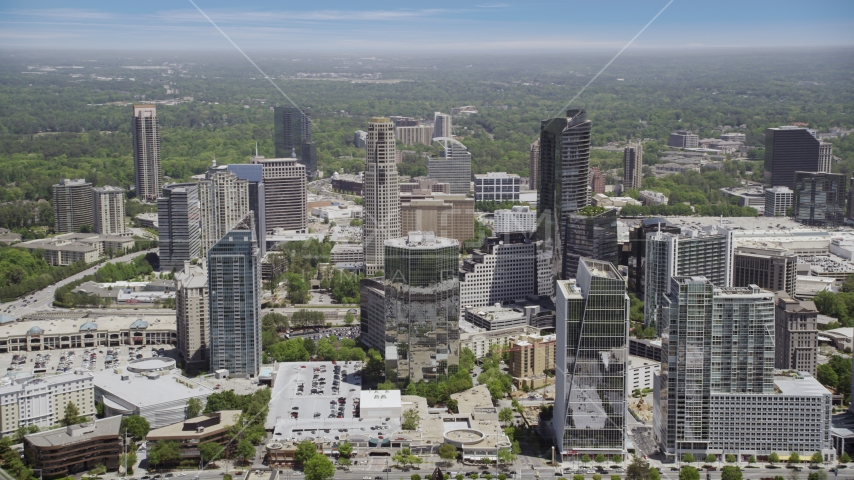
<point>210,451</point>
<point>506,415</point>
<point>345,449</point>
<point>751,460</point>
<point>349,319</point>
<point>826,375</point>
<point>617,459</point>
<point>410,420</point>
<point>773,458</point>
<point>794,457</point>
<point>136,426</point>
<point>505,455</point>
<point>194,407</point>
<point>72,414</point>
<point>816,458</point>
<point>244,451</point>
<point>844,458</point>
<point>319,468</point>
<point>164,453</point>
<point>730,458</point>
<point>460,476</point>
<point>653,474</point>
<point>819,475</point>
<point>448,452</point>
<point>597,475</point>
<point>578,477</point>
<point>638,469</point>
<point>128,459</point>
<point>415,476</point>
<point>306,450</point>
<point>731,472</point>
<point>502,476</point>
<point>344,461</point>
<point>689,473</point>
<point>688,458</point>
<point>711,458</point>
<point>600,459</point>
<point>585,459</point>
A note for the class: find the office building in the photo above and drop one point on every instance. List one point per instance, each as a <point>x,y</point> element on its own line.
<point>497,187</point>
<point>285,195</point>
<point>254,175</point>
<point>519,218</point>
<point>360,138</point>
<point>372,312</point>
<point>179,229</point>
<point>223,201</point>
<point>422,298</point>
<point>215,427</point>
<point>534,165</point>
<point>548,188</point>
<point>448,216</point>
<point>575,164</point>
<point>770,268</point>
<point>597,180</point>
<point>691,252</point>
<point>635,254</point>
<point>421,185</point>
<point>819,199</point>
<point>453,167</point>
<point>192,320</point>
<point>381,203</point>
<point>147,174</point>
<point>633,166</point>
<point>442,127</point>
<point>347,253</point>
<point>778,200</point>
<point>590,233</point>
<point>717,392</point>
<point>292,137</point>
<point>789,149</point>
<point>504,269</point>
<point>72,206</point>
<point>346,183</point>
<point>642,372</point>
<point>683,139</point>
<point>29,401</point>
<point>415,134</point>
<point>65,451</point>
<point>825,157</point>
<point>648,197</point>
<point>795,334</point>
<point>109,210</point>
<point>592,362</point>
<point>234,286</point>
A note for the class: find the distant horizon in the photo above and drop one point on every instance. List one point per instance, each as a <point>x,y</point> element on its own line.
<point>382,27</point>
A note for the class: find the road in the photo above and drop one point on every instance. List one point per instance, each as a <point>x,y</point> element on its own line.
<point>43,299</point>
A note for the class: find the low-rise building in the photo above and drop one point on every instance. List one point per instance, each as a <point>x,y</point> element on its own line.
<point>380,403</point>
<point>338,213</point>
<point>76,448</point>
<point>683,139</point>
<point>92,331</point>
<point>29,401</point>
<point>347,252</point>
<point>498,317</point>
<point>602,200</point>
<point>74,247</point>
<point>648,197</point>
<point>778,200</point>
<point>353,184</point>
<point>664,169</point>
<point>481,342</point>
<point>193,432</point>
<point>642,372</point>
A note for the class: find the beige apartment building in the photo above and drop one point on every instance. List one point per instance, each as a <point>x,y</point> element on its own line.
<point>285,193</point>
<point>109,206</point>
<point>191,306</point>
<point>449,216</point>
<point>28,400</point>
<point>530,357</point>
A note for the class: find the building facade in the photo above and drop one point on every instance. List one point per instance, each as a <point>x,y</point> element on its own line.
<point>223,201</point>
<point>590,233</point>
<point>504,269</point>
<point>422,308</point>
<point>497,187</point>
<point>597,181</point>
<point>591,369</point>
<point>575,164</point>
<point>633,166</point>
<point>285,195</point>
<point>29,401</point>
<point>773,269</point>
<point>796,334</point>
<point>179,228</point>
<point>778,200</point>
<point>76,448</point>
<point>147,175</point>
<point>292,137</point>
<point>254,176</point>
<point>234,285</point>
<point>372,312</point>
<point>819,199</point>
<point>109,208</point>
<point>72,206</point>
<point>381,205</point>
<point>191,308</point>
<point>415,134</point>
<point>789,149</point>
<point>683,139</point>
<point>534,165</point>
<point>453,166</point>
<point>442,127</point>
<point>519,218</point>
<point>448,216</point>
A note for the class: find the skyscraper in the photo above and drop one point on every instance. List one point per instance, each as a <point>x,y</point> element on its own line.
<point>819,199</point>
<point>179,230</point>
<point>223,201</point>
<point>381,205</point>
<point>292,135</point>
<point>442,125</point>
<point>109,205</point>
<point>633,166</point>
<point>534,165</point>
<point>284,193</point>
<point>504,269</point>
<point>564,176</point>
<point>795,334</point>
<point>590,233</point>
<point>592,322</point>
<point>422,296</point>
<point>453,167</point>
<point>788,149</point>
<point>254,175</point>
<point>72,206</point>
<point>192,319</point>
<point>234,285</point>
<point>147,174</point>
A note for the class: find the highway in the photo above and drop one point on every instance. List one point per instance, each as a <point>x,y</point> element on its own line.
<point>43,299</point>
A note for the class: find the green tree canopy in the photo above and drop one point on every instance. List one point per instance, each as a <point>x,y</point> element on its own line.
<point>731,472</point>
<point>72,414</point>
<point>194,407</point>
<point>319,468</point>
<point>136,426</point>
<point>689,473</point>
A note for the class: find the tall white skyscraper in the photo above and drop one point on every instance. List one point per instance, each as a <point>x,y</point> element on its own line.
<point>109,204</point>
<point>381,206</point>
<point>453,167</point>
<point>147,174</point>
<point>442,125</point>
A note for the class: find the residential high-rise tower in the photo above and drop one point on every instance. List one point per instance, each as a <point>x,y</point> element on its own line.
<point>72,206</point>
<point>381,205</point>
<point>223,201</point>
<point>534,165</point>
<point>442,126</point>
<point>179,229</point>
<point>292,135</point>
<point>633,166</point>
<point>146,153</point>
<point>285,194</point>
<point>109,205</point>
<point>590,233</point>
<point>192,319</point>
<point>453,167</point>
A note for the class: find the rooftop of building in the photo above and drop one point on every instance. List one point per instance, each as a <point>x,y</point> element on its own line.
<point>496,175</point>
<point>108,189</point>
<point>639,362</point>
<point>77,433</point>
<point>24,381</point>
<point>379,399</point>
<point>72,182</point>
<point>348,247</point>
<point>472,399</point>
<point>425,240</point>
<point>148,389</point>
<point>156,321</point>
<point>188,429</point>
<point>798,384</point>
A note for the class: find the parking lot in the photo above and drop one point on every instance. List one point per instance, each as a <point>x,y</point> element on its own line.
<point>50,362</point>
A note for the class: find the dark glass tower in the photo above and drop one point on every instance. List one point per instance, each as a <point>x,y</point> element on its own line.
<point>292,136</point>
<point>788,149</point>
<point>422,308</point>
<point>819,199</point>
<point>592,233</point>
<point>179,227</point>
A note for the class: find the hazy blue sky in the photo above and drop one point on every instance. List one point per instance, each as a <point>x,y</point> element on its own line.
<point>434,26</point>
